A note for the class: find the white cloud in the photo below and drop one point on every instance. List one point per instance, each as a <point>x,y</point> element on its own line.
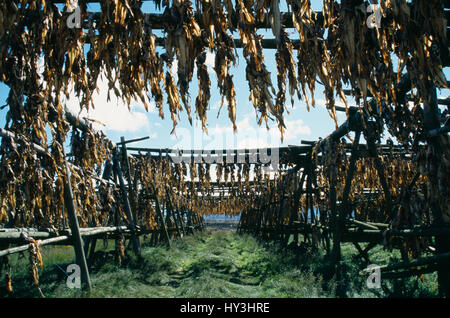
<point>210,59</point>
<point>244,124</point>
<point>215,105</point>
<point>113,114</point>
<point>296,128</point>
<point>251,143</point>
<point>263,137</point>
<point>174,69</point>
<point>217,130</point>
<point>248,135</point>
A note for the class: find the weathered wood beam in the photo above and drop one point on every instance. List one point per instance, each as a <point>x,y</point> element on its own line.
<point>437,149</point>
<point>159,213</point>
<point>344,208</point>
<point>78,243</point>
<point>417,262</point>
<point>363,225</point>
<point>131,190</point>
<point>419,231</point>
<point>161,21</point>
<point>67,237</point>
<point>410,272</point>
<point>126,202</point>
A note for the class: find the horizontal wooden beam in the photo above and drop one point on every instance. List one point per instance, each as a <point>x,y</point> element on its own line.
<point>364,225</point>
<point>265,43</point>
<point>417,262</point>
<point>24,248</point>
<point>132,140</point>
<point>161,21</point>
<point>441,101</point>
<point>410,272</point>
<point>261,156</point>
<point>420,231</point>
<point>15,235</point>
<point>231,152</point>
<point>85,232</point>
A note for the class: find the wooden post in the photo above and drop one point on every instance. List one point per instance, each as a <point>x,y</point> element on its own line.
<point>107,172</point>
<point>164,208</point>
<point>183,218</point>
<point>180,218</point>
<point>189,218</point>
<point>170,210</point>
<point>438,183</point>
<point>160,216</point>
<point>380,169</point>
<point>343,211</point>
<point>135,238</point>
<point>137,208</point>
<point>259,215</point>
<point>278,215</point>
<point>297,192</point>
<point>92,251</point>
<point>75,229</point>
<point>128,176</point>
<point>87,242</point>
<point>309,190</point>
<point>333,198</point>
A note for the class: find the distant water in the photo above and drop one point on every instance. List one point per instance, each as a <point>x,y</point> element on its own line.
<point>222,217</point>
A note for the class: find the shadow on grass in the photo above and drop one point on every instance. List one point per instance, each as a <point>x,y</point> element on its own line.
<point>213,264</point>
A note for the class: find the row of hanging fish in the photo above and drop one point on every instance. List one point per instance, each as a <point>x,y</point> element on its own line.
<point>336,47</point>
<point>43,57</point>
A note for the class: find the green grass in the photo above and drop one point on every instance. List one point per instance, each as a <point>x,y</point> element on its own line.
<point>212,264</point>
<point>396,288</point>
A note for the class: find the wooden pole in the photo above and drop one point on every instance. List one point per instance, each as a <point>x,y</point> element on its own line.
<point>297,193</point>
<point>117,168</point>
<point>183,218</point>
<point>24,248</point>
<point>137,208</point>
<point>437,171</point>
<point>161,217</point>
<point>179,215</point>
<point>417,262</point>
<point>63,238</point>
<point>92,251</point>
<point>333,197</point>
<point>380,169</point>
<point>309,192</point>
<point>260,216</point>
<point>107,172</point>
<point>73,223</point>
<point>340,224</point>
<point>170,210</point>
<point>128,176</point>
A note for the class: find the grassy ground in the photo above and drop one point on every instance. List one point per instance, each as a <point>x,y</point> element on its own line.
<point>211,264</point>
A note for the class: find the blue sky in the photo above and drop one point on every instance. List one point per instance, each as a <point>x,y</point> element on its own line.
<point>301,124</point>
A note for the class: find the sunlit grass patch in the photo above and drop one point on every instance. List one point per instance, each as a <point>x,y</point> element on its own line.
<point>215,264</point>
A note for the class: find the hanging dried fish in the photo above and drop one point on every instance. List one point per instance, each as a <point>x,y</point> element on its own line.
<point>202,100</point>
